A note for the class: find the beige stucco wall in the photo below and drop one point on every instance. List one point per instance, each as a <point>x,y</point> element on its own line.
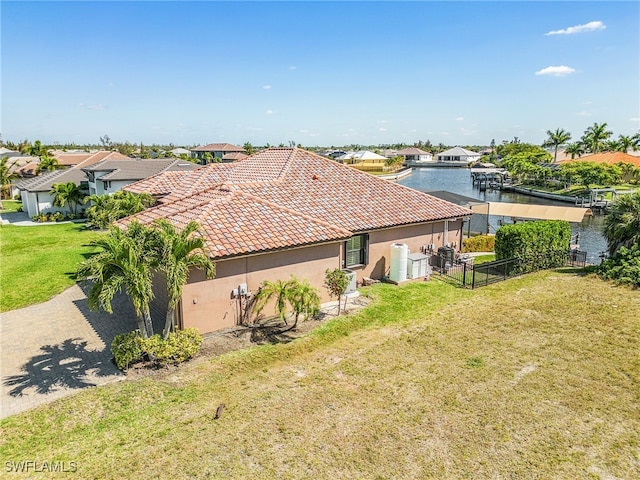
<point>208,306</point>
<point>414,236</point>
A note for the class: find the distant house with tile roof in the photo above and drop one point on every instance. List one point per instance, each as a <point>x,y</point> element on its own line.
<point>610,158</point>
<point>287,211</point>
<point>217,151</point>
<point>110,176</point>
<point>84,159</point>
<point>457,154</point>
<point>414,154</point>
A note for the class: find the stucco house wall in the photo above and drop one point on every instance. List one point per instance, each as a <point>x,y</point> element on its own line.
<point>208,305</point>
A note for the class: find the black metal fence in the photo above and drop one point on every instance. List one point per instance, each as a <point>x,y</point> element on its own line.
<point>463,271</point>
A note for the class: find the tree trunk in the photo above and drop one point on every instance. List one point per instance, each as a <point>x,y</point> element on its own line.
<point>142,326</point>
<point>168,323</point>
<point>148,324</point>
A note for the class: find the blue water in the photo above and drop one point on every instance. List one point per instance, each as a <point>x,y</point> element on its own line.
<point>458,180</point>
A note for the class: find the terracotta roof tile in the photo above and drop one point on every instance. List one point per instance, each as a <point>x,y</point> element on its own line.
<point>284,189</point>
<point>610,158</point>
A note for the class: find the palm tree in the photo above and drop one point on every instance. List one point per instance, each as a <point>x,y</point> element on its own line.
<point>595,137</point>
<point>48,164</point>
<point>67,193</point>
<point>573,149</point>
<point>304,299</point>
<point>125,264</point>
<point>557,138</point>
<point>278,291</point>
<point>178,253</point>
<point>622,224</point>
<point>623,144</point>
<point>7,175</point>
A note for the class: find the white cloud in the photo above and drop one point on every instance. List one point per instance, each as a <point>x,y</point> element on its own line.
<point>269,112</point>
<point>584,113</point>
<point>266,87</point>
<point>459,119</point>
<point>98,106</point>
<point>304,131</point>
<point>556,71</point>
<point>587,27</point>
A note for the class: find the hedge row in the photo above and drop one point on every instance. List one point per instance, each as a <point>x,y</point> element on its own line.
<point>536,245</point>
<point>480,243</point>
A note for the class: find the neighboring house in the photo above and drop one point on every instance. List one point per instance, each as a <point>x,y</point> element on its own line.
<point>109,176</point>
<point>84,159</point>
<point>287,211</point>
<point>362,156</point>
<point>413,154</point>
<point>34,192</point>
<point>458,154</point>
<point>610,158</point>
<point>176,152</point>
<point>217,150</point>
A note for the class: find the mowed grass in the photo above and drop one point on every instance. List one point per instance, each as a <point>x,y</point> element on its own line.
<point>38,262</point>
<point>10,206</point>
<point>535,377</point>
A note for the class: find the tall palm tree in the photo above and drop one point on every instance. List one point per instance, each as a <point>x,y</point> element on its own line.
<point>622,224</point>
<point>557,138</point>
<point>595,137</point>
<point>125,264</point>
<point>623,144</point>
<point>178,253</point>
<point>67,194</point>
<point>7,175</point>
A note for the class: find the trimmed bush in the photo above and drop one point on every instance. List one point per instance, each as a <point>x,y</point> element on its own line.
<point>480,243</point>
<point>536,245</point>
<point>127,349</point>
<point>130,348</point>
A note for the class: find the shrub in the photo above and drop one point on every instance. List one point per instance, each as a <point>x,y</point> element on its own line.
<point>130,348</point>
<point>480,243</point>
<point>536,245</point>
<point>127,349</point>
<point>623,268</point>
<point>179,347</point>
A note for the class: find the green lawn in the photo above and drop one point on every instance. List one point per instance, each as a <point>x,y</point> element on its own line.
<point>10,206</point>
<point>37,262</point>
<point>535,377</point>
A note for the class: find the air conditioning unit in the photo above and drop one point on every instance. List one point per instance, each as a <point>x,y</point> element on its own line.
<point>351,286</point>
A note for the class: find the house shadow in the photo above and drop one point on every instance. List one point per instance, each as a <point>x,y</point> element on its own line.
<point>65,365</point>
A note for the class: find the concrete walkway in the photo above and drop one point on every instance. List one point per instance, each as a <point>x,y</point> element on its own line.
<point>56,348</point>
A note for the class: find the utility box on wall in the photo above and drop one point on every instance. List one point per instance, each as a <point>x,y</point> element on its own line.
<point>417,265</point>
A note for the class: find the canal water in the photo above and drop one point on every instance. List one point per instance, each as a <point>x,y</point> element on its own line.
<point>458,180</point>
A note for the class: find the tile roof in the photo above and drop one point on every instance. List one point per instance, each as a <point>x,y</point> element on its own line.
<point>412,151</point>
<point>458,151</point>
<point>610,158</point>
<point>85,159</point>
<point>44,183</point>
<point>218,147</point>
<point>234,156</point>
<point>288,194</point>
<point>138,169</point>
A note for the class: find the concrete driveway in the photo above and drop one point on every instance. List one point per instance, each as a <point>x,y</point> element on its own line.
<point>56,348</point>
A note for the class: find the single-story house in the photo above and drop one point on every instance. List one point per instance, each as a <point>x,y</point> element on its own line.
<point>35,195</point>
<point>458,154</point>
<point>288,211</point>
<point>362,156</point>
<point>413,154</point>
<point>176,152</point>
<point>109,176</point>
<point>217,150</point>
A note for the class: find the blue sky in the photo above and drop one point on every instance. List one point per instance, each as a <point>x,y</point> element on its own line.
<point>317,73</point>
